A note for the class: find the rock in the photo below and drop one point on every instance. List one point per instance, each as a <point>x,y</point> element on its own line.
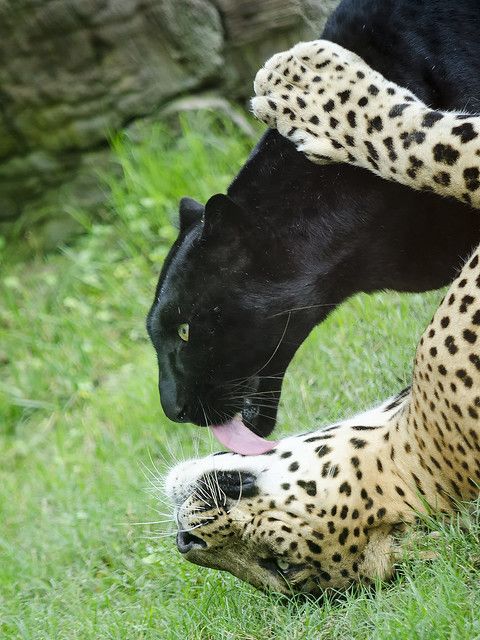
<point>74,71</point>
<point>209,103</point>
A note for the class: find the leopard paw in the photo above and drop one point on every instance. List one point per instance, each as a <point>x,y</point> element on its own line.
<point>277,114</point>
<point>320,96</point>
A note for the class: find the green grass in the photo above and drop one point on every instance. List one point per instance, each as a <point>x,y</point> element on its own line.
<point>82,436</point>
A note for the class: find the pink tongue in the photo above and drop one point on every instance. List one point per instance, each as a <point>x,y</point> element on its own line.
<point>238,438</point>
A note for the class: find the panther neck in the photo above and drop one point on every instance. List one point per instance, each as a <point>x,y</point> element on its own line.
<point>349,229</point>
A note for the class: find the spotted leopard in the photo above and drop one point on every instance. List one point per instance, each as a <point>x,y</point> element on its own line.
<point>328,508</point>
<point>325,509</point>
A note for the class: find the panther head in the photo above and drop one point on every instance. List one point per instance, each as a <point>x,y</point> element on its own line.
<point>254,271</point>
<point>224,321</point>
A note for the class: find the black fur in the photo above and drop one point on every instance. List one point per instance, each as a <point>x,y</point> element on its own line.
<point>293,239</point>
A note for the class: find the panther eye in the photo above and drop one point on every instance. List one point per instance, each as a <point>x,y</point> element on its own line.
<point>183,331</point>
<point>282,564</point>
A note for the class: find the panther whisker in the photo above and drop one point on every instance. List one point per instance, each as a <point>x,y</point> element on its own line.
<point>235,401</point>
<point>305,308</point>
<point>254,394</point>
<point>265,405</point>
<point>277,347</point>
<point>223,417</point>
<point>203,409</point>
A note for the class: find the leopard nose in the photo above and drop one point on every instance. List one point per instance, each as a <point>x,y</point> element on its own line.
<point>187,542</point>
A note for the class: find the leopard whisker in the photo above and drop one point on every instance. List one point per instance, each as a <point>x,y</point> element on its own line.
<point>137,524</point>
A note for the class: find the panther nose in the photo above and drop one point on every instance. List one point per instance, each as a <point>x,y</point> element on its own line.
<point>186,542</point>
<point>175,412</point>
<point>172,402</point>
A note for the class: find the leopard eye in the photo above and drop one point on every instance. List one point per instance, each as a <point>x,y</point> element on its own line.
<point>282,564</point>
<point>183,331</point>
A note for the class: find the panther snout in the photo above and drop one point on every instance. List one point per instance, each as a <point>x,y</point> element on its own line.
<point>250,411</point>
<point>172,399</point>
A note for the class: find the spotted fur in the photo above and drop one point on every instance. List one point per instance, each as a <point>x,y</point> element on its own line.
<point>335,108</point>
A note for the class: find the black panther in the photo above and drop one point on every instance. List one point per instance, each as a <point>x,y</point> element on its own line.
<point>253,271</point>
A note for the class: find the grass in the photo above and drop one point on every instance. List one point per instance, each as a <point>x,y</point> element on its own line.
<point>82,435</point>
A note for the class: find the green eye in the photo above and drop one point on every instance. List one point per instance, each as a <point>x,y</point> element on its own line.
<point>184,331</point>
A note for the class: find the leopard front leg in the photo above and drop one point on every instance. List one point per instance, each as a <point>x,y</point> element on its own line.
<point>335,108</point>
<point>317,94</point>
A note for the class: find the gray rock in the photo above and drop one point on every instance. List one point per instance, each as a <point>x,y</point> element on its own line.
<point>74,71</point>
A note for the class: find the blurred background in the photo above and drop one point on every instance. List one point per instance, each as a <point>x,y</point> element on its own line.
<point>110,112</point>
<point>74,72</point>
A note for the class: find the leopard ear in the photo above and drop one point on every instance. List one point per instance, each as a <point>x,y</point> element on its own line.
<point>221,213</point>
<point>190,212</point>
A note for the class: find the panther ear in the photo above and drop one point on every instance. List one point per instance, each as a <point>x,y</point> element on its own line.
<point>190,212</point>
<point>221,212</point>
